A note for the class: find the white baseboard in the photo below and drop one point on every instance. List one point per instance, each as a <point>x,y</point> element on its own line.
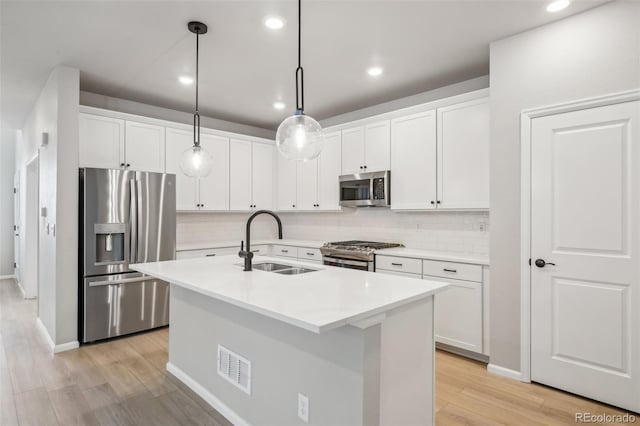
<point>504,372</point>
<point>7,277</point>
<point>55,348</point>
<point>45,333</point>
<point>210,398</point>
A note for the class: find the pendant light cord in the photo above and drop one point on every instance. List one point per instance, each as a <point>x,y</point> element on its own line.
<point>196,115</point>
<point>299,70</point>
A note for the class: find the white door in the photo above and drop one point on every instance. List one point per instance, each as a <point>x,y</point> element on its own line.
<point>16,227</point>
<point>307,186</point>
<point>214,188</point>
<point>585,222</point>
<point>101,142</point>
<point>463,155</point>
<point>178,141</point>
<point>353,151</point>
<point>287,184</point>
<point>239,175</point>
<point>413,162</point>
<point>262,176</point>
<point>329,170</point>
<point>377,150</point>
<point>144,147</point>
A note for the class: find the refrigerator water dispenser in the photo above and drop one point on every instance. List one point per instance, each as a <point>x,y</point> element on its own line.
<point>110,239</point>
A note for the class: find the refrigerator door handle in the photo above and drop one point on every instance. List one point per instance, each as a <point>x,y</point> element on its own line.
<point>133,215</point>
<point>118,282</point>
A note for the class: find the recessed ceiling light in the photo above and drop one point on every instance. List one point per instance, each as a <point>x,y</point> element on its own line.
<point>279,105</point>
<point>185,79</point>
<point>374,71</point>
<point>274,22</point>
<point>558,5</point>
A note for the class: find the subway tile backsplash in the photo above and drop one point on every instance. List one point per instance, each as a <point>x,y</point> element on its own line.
<point>465,232</point>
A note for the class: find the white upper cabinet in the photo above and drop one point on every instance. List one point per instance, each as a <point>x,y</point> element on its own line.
<point>329,170</point>
<point>377,147</point>
<point>101,142</point>
<point>262,176</point>
<point>413,162</point>
<point>251,175</point>
<point>287,184</point>
<point>213,189</point>
<point>463,155</point>
<point>307,185</point>
<point>366,148</point>
<point>353,151</point>
<point>210,193</point>
<point>178,141</point>
<point>144,147</point>
<point>240,175</point>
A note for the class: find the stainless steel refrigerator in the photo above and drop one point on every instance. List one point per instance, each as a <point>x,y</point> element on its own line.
<point>125,217</point>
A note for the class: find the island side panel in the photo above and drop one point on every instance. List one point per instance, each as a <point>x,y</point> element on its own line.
<point>407,374</point>
<point>338,370</point>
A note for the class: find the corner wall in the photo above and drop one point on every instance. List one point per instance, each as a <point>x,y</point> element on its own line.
<point>593,53</point>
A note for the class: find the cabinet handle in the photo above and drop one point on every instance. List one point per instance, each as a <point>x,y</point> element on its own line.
<point>438,202</point>
<point>365,167</point>
<point>433,202</point>
<point>284,251</point>
<point>128,165</point>
<point>361,167</point>
<point>396,264</point>
<point>210,254</point>
<point>311,254</point>
<point>450,270</point>
<point>293,205</point>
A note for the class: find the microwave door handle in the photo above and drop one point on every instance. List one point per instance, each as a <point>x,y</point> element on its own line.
<point>133,218</point>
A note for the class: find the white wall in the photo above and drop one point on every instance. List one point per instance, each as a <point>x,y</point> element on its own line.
<point>7,170</point>
<point>593,53</point>
<point>56,113</point>
<point>462,232</point>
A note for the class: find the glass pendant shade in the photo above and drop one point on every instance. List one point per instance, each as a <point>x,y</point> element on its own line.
<point>299,137</point>
<point>196,162</point>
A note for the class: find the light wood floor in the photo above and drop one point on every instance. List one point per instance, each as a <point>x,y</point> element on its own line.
<point>123,382</point>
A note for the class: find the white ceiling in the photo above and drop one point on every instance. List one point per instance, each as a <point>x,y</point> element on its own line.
<point>136,50</point>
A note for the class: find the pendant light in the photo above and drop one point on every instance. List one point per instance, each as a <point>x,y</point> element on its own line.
<point>299,137</point>
<point>196,161</point>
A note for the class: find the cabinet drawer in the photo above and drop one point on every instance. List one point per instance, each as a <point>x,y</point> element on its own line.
<point>399,264</point>
<point>458,271</point>
<point>285,251</point>
<point>309,253</point>
<point>190,254</point>
<point>400,274</point>
<point>262,250</point>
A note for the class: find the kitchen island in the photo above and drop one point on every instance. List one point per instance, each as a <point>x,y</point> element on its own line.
<point>331,346</point>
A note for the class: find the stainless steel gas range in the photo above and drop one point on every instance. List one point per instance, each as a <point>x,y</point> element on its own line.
<point>353,254</point>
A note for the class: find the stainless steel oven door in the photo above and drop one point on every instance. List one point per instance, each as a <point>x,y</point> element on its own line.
<point>365,189</point>
<point>362,265</point>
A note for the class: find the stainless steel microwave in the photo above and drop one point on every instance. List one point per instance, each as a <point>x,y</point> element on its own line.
<point>365,189</point>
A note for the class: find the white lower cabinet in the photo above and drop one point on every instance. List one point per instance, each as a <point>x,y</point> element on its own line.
<point>458,314</point>
<point>284,251</point>
<point>261,249</point>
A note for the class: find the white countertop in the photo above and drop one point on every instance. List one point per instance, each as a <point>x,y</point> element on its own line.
<point>224,244</point>
<point>316,301</point>
<point>477,259</point>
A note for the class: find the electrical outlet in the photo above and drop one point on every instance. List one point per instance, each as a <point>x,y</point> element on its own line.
<point>303,407</point>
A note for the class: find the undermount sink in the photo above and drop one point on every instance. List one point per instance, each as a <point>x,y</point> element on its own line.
<point>281,268</point>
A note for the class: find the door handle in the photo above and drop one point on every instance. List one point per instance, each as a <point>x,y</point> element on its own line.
<point>541,263</point>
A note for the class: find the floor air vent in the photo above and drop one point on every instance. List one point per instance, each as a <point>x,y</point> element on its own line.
<point>234,368</point>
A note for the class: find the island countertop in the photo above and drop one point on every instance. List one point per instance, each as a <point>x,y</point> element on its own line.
<point>317,301</point>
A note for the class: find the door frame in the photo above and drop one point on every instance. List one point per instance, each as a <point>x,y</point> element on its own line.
<point>526,118</point>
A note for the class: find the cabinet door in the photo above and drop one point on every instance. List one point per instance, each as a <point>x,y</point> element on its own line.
<point>101,141</point>
<point>144,147</point>
<point>458,314</point>
<point>214,188</point>
<point>463,155</point>
<point>287,184</point>
<point>377,149</point>
<point>262,176</point>
<point>178,141</point>
<point>239,175</point>
<point>329,171</point>
<point>353,151</point>
<point>307,185</point>
<point>413,162</point>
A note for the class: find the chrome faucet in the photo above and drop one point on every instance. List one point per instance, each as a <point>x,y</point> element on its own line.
<point>248,254</point>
